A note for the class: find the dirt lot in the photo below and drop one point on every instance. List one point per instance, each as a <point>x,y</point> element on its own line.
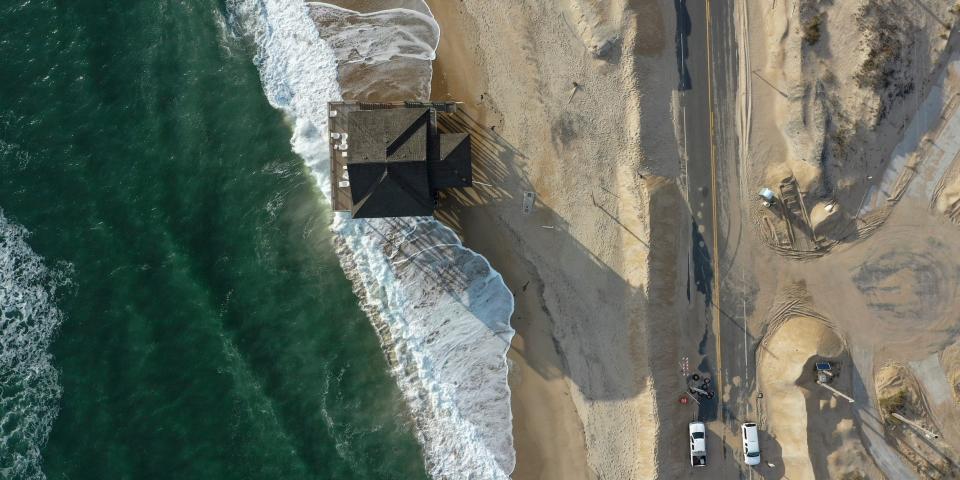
<point>854,125</point>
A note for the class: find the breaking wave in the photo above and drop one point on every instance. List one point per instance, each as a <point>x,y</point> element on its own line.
<point>29,384</point>
<point>442,312</point>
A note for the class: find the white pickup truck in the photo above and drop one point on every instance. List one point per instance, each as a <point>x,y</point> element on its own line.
<point>698,444</point>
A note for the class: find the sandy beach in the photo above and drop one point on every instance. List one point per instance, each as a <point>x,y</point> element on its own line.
<point>568,125</point>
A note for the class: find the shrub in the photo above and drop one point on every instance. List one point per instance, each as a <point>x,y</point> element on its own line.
<point>894,402</point>
<point>811,29</point>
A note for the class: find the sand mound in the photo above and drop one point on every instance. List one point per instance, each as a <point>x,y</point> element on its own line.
<point>898,391</point>
<point>946,197</point>
<point>813,429</point>
<point>596,23</point>
<point>824,217</point>
<point>948,203</point>
<point>784,354</point>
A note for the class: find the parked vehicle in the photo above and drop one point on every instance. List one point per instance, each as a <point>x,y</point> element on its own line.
<point>751,443</point>
<point>698,444</point>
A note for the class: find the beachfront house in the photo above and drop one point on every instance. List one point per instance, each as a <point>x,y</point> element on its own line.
<point>389,160</point>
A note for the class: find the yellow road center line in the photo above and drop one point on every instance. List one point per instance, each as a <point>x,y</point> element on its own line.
<point>716,251</point>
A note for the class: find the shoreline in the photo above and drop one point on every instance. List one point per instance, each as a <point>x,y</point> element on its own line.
<point>448,355</point>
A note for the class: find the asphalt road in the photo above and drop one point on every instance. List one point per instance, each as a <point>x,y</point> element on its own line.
<point>720,289</point>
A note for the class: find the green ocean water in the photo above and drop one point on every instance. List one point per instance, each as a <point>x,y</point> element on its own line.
<point>208,331</point>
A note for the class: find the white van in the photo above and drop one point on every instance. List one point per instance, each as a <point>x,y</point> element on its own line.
<point>751,443</point>
<point>698,444</point>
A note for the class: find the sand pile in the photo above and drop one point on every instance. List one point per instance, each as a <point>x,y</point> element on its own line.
<point>899,392</point>
<point>813,429</point>
<point>781,364</point>
<point>844,78</point>
<point>946,196</point>
<point>597,23</point>
<point>824,217</point>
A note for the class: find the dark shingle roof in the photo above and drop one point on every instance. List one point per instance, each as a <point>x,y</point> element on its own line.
<point>398,134</point>
<point>453,168</point>
<point>388,163</point>
<point>396,160</point>
<point>390,189</point>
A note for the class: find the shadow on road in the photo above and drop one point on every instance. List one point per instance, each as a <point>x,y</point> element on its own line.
<point>684,25</point>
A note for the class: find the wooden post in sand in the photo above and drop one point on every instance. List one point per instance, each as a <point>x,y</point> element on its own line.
<point>576,88</point>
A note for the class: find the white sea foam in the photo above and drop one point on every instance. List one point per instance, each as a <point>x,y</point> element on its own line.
<point>29,384</point>
<point>441,310</point>
<point>382,55</point>
<point>378,37</point>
